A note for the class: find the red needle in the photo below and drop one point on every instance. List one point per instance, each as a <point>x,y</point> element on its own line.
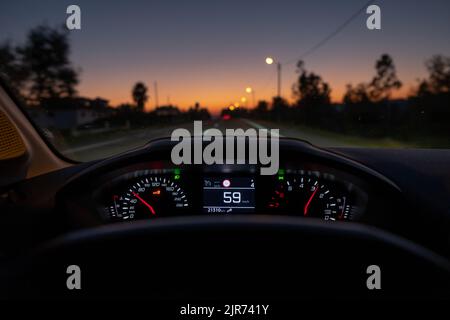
<point>305,210</point>
<point>343,211</point>
<point>145,202</point>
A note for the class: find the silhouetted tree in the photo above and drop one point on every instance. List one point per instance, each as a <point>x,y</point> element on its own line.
<point>198,113</point>
<point>11,68</point>
<point>312,93</point>
<point>140,96</point>
<point>367,106</point>
<point>439,75</point>
<point>357,95</point>
<point>431,105</point>
<point>385,80</point>
<point>310,89</point>
<point>45,57</point>
<point>359,107</point>
<point>280,108</point>
<point>261,108</point>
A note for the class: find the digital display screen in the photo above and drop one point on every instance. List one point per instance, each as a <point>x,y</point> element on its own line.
<point>228,195</point>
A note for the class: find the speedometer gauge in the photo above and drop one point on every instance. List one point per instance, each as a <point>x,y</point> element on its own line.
<point>148,198</point>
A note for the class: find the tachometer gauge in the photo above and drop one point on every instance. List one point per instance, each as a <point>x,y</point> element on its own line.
<point>148,198</point>
<point>309,196</point>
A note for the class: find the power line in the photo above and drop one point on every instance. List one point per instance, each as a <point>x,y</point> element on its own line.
<point>331,35</point>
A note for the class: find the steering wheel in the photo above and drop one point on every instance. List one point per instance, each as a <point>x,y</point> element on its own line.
<point>256,256</point>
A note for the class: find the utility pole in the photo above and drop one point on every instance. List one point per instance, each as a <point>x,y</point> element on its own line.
<point>279,79</point>
<point>155,85</point>
<point>270,61</point>
<point>253,99</point>
<point>251,91</point>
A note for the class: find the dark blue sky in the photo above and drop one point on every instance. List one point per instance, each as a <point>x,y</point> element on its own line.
<point>209,51</point>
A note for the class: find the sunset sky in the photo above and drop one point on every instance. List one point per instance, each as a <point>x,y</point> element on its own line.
<point>210,51</point>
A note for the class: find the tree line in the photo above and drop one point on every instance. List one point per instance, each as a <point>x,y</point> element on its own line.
<point>367,108</point>
<point>40,69</point>
<point>41,74</point>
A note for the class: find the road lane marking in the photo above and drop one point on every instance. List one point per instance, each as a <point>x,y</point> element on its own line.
<point>258,126</point>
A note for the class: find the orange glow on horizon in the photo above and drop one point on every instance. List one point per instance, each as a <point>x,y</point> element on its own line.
<point>215,106</point>
<point>216,96</point>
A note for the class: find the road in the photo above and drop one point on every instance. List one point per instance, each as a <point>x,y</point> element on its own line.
<point>136,138</point>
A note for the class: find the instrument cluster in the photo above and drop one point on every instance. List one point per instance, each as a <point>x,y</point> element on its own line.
<point>158,193</point>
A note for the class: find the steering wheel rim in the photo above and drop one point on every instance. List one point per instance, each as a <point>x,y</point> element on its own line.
<point>246,256</point>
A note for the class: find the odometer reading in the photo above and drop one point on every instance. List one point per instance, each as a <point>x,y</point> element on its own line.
<point>228,195</point>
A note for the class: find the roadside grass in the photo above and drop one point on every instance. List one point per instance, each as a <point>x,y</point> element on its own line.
<point>317,136</point>
<point>87,138</point>
<point>357,141</point>
<point>414,141</point>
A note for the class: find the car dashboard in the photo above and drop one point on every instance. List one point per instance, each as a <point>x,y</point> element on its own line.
<point>156,190</point>
<point>310,184</point>
<point>224,222</point>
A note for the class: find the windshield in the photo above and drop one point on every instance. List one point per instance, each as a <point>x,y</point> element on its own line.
<point>103,77</point>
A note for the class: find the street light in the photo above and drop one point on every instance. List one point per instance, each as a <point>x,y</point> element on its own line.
<point>250,90</point>
<point>244,101</point>
<point>269,61</point>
